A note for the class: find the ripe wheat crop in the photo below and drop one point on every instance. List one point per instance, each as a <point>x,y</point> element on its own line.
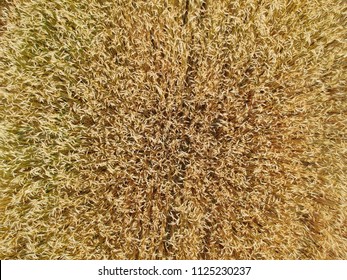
<point>177,129</point>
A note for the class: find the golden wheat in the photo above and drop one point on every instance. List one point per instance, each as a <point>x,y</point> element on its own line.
<point>178,129</point>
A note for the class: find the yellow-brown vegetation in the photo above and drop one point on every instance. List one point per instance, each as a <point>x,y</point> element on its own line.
<point>186,129</point>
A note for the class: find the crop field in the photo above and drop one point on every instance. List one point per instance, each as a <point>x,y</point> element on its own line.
<point>173,129</point>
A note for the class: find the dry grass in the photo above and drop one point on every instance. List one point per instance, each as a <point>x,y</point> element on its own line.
<point>178,129</point>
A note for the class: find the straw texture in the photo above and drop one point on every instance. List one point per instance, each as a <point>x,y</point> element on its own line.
<point>178,129</point>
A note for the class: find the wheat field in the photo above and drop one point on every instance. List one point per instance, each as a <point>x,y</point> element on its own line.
<point>177,129</point>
